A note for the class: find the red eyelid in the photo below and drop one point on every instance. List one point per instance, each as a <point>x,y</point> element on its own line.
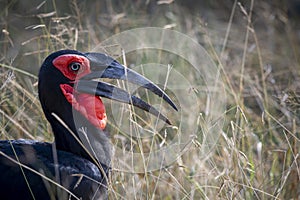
<point>62,64</point>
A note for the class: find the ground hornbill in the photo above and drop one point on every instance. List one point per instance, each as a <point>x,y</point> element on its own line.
<point>76,165</point>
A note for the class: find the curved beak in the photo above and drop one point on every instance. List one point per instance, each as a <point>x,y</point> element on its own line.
<point>103,66</point>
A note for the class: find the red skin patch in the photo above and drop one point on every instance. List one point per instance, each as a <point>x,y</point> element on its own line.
<point>90,106</point>
<point>62,64</point>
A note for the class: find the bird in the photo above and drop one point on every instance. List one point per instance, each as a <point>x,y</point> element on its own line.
<point>77,164</point>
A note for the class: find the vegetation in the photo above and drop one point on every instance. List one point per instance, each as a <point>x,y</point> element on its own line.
<point>254,44</point>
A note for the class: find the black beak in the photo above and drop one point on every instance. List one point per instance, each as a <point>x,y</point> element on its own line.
<point>103,66</point>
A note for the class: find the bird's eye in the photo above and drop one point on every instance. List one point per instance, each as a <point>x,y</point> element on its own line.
<point>75,66</point>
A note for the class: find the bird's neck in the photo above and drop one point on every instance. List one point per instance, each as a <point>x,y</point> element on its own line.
<point>77,135</point>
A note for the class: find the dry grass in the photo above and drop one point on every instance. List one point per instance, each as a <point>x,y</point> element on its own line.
<point>256,47</point>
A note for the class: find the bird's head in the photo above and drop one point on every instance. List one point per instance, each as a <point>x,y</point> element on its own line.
<point>69,77</point>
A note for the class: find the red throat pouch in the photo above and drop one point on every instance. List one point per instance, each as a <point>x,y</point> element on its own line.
<point>90,106</point>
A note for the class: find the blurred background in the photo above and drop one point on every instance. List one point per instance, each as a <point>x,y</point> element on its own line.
<point>256,44</point>
<point>34,28</point>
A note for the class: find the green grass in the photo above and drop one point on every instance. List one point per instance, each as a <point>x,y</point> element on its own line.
<point>257,51</point>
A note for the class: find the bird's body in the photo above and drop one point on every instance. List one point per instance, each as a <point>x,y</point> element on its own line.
<point>78,175</point>
<point>76,165</point>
